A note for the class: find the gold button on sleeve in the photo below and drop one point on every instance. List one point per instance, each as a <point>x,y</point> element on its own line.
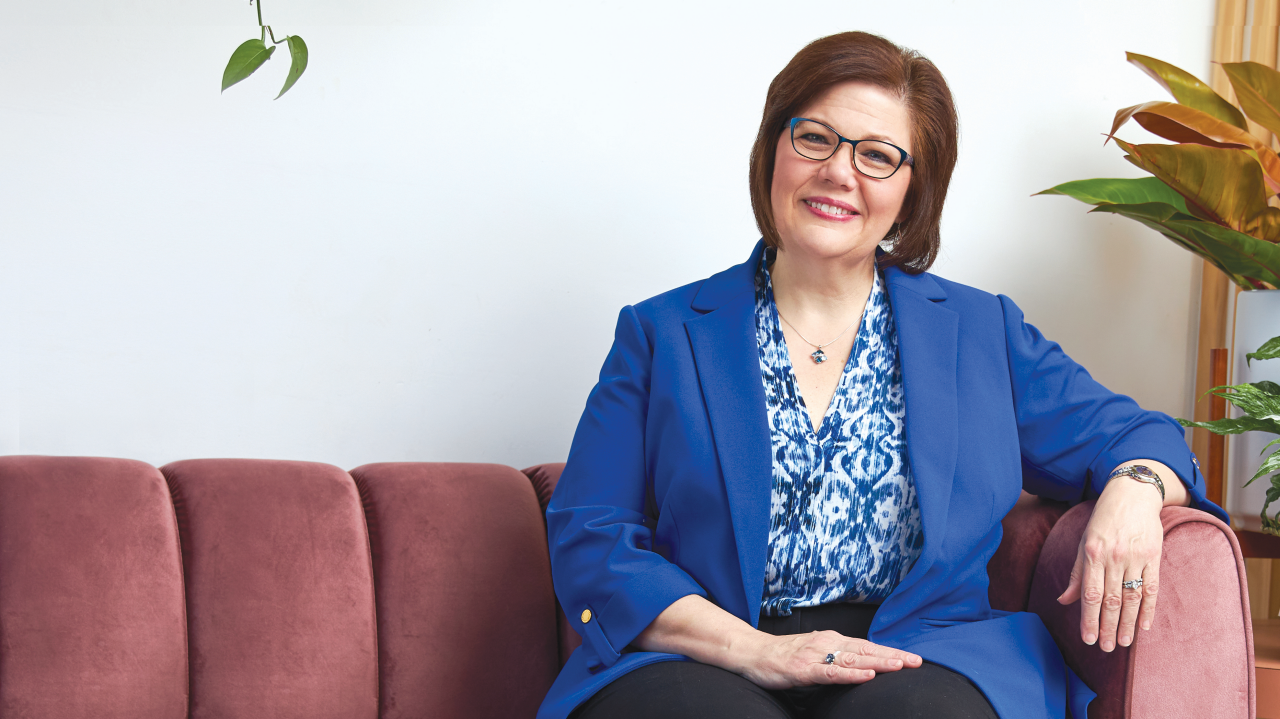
<point>586,615</point>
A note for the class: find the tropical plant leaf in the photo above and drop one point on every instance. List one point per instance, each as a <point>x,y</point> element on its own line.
<point>1180,123</point>
<point>1235,425</point>
<point>1220,184</point>
<point>247,58</point>
<point>298,62</point>
<point>1270,525</point>
<point>1270,444</point>
<point>1269,350</point>
<point>1120,191</point>
<point>1188,90</point>
<point>1155,214</point>
<point>1247,260</point>
<point>1252,401</point>
<point>1269,465</point>
<point>1273,493</point>
<point>1258,89</point>
<point>1269,387</point>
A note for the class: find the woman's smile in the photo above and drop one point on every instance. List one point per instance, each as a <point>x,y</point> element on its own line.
<point>829,209</point>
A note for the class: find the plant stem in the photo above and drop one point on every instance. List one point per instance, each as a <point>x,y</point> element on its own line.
<point>259,12</point>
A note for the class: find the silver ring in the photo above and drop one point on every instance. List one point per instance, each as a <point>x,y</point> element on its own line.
<point>1132,583</point>
<point>831,658</point>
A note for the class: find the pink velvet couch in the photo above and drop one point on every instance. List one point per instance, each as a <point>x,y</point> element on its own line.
<point>261,589</point>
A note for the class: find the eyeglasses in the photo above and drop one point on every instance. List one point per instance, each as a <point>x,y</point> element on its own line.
<point>874,158</point>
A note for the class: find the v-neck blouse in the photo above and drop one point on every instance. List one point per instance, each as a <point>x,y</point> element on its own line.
<point>844,516</point>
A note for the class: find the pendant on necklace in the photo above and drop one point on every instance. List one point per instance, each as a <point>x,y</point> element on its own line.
<point>819,357</point>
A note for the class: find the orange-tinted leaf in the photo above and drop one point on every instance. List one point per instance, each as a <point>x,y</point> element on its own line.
<point>1180,123</point>
<point>1220,184</point>
<point>1188,90</point>
<point>1258,88</point>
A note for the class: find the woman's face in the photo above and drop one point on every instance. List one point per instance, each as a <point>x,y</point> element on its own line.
<point>861,210</point>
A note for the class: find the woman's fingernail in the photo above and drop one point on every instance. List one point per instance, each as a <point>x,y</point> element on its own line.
<point>1146,625</point>
<point>1124,641</point>
<point>1090,638</point>
<point>895,663</point>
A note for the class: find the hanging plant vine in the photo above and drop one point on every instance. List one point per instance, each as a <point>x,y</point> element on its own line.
<point>253,53</point>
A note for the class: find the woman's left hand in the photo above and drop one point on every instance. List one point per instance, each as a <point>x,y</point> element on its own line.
<point>1122,542</point>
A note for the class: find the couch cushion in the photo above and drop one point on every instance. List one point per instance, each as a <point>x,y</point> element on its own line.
<point>279,590</point>
<point>466,613</point>
<point>92,618</point>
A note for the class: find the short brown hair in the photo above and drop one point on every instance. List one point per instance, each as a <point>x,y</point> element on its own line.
<point>863,57</point>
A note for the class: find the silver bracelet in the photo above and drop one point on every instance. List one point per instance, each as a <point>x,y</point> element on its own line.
<point>1140,473</point>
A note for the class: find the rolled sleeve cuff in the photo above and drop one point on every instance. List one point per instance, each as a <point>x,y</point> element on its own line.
<point>1167,447</point>
<point>630,611</point>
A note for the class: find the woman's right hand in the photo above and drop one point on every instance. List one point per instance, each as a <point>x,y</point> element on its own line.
<point>782,662</point>
<point>702,631</point>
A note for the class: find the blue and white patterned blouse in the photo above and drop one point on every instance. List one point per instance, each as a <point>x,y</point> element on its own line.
<point>844,517</point>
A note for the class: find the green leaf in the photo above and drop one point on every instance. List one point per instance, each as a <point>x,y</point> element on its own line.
<point>1236,425</point>
<point>247,58</point>
<point>1273,493</point>
<point>1251,400</point>
<point>1247,260</point>
<point>1269,465</point>
<point>1149,211</point>
<point>1258,89</point>
<point>1270,444</point>
<point>1269,350</point>
<point>1220,184</point>
<point>1269,387</point>
<point>1119,191</point>
<point>1188,90</point>
<point>298,55</point>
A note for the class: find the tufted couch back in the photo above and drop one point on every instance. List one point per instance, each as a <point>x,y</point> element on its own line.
<point>250,588</point>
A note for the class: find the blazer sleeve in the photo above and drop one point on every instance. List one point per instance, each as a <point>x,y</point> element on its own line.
<point>1073,431</point>
<point>599,530</point>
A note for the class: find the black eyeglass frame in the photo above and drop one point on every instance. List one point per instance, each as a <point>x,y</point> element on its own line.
<point>907,159</point>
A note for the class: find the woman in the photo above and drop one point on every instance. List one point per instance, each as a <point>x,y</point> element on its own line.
<point>784,491</point>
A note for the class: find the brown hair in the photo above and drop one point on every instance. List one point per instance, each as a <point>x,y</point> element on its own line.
<point>863,57</point>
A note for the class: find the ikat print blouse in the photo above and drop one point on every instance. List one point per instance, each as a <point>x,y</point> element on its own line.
<point>844,517</point>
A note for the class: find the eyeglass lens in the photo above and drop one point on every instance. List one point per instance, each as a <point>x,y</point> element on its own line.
<point>872,157</point>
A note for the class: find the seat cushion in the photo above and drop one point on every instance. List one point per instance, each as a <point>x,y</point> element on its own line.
<point>92,616</point>
<point>279,590</point>
<point>466,612</point>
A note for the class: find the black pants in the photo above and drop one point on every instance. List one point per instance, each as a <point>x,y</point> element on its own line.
<point>690,690</point>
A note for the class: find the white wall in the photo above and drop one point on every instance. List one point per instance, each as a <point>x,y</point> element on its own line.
<point>332,277</point>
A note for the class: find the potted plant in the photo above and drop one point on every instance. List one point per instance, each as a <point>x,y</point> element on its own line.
<point>1259,403</point>
<point>1212,192</point>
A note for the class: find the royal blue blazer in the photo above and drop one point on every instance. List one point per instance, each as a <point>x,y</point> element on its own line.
<point>667,486</point>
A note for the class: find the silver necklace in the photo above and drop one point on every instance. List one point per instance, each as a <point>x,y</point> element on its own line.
<point>819,356</point>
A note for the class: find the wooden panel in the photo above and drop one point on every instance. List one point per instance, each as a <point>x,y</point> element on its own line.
<point>1268,693</point>
<point>1215,467</point>
<point>1215,289</point>
<point>1262,45</point>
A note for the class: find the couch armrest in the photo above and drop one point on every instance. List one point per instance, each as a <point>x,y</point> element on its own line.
<point>1197,658</point>
<point>544,477</point>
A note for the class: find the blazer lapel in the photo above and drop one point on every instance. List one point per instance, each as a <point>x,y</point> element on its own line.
<point>725,353</point>
<point>927,346</point>
<point>724,348</point>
